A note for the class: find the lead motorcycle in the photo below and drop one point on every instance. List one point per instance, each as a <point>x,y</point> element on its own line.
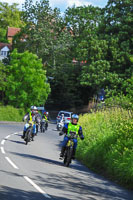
<point>29,132</point>
<point>67,158</point>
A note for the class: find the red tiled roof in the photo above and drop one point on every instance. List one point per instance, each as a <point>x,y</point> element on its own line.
<point>12,31</point>
<point>4,45</point>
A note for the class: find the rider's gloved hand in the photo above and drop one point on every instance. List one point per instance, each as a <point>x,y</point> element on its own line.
<point>82,137</point>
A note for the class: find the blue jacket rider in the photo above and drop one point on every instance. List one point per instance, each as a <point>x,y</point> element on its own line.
<point>74,127</point>
<point>31,116</point>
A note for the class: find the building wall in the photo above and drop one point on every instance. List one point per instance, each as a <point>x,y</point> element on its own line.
<point>4,52</point>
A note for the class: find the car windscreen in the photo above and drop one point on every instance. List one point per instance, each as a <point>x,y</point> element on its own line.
<point>65,114</point>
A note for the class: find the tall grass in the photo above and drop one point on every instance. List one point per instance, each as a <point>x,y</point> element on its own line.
<point>108,145</point>
<point>9,113</point>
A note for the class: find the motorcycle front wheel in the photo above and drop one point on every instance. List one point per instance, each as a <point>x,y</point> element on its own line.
<point>28,136</point>
<point>68,157</point>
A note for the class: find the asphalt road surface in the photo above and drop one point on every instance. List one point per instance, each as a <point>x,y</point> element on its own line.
<point>34,171</point>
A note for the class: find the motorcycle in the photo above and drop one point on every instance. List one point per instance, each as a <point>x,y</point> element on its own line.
<point>38,125</point>
<point>60,125</point>
<point>29,132</point>
<point>67,158</point>
<point>43,126</point>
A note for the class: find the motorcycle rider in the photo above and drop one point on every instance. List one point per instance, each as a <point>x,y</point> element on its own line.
<point>62,118</point>
<point>60,122</point>
<point>74,127</point>
<point>38,120</point>
<point>46,117</point>
<point>30,116</point>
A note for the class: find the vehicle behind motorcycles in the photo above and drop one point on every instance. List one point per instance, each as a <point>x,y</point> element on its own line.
<point>29,133</point>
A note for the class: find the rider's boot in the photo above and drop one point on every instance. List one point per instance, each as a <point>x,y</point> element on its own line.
<point>73,155</point>
<point>23,136</point>
<point>62,152</point>
<point>32,137</point>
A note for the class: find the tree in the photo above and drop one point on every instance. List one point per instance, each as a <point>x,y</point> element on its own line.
<point>83,22</point>
<point>9,16</point>
<point>41,29</point>
<point>2,80</point>
<point>26,80</point>
<point>48,37</point>
<point>116,28</point>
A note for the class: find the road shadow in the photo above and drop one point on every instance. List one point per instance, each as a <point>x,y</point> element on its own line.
<point>9,193</point>
<point>76,165</point>
<point>47,160</point>
<point>71,187</point>
<point>86,188</point>
<point>18,142</point>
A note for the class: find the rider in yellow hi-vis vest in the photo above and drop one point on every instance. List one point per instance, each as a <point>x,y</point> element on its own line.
<point>72,126</point>
<point>31,116</point>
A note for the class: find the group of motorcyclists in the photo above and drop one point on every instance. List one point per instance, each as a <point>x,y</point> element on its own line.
<point>72,126</point>
<point>36,118</point>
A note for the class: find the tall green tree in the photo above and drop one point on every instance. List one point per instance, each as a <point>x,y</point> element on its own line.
<point>9,16</point>
<point>47,36</point>
<point>26,80</point>
<point>117,29</point>
<point>41,29</point>
<point>84,23</point>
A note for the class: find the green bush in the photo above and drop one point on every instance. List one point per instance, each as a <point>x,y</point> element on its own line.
<point>9,113</point>
<point>108,145</point>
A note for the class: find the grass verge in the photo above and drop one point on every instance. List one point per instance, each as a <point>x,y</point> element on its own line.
<point>9,113</point>
<point>108,145</point>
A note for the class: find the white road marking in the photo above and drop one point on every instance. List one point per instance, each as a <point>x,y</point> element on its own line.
<point>25,177</point>
<point>7,136</point>
<point>2,142</point>
<point>14,134</point>
<point>37,187</point>
<point>8,159</point>
<point>2,150</point>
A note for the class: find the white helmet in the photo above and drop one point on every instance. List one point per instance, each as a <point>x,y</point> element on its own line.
<point>33,108</point>
<point>75,116</point>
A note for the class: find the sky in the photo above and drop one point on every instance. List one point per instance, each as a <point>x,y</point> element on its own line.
<point>64,4</point>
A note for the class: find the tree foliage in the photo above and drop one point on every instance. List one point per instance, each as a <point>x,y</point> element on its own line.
<point>9,16</point>
<point>100,40</point>
<point>26,80</point>
<point>2,80</point>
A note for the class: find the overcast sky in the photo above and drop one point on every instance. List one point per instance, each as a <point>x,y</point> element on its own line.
<point>63,4</point>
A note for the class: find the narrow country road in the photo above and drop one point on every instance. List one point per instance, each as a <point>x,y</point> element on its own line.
<point>34,171</point>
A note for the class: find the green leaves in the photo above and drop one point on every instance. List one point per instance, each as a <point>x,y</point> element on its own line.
<point>96,74</point>
<point>9,16</point>
<point>26,81</point>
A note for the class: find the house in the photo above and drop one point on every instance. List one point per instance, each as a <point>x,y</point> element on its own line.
<point>11,32</point>
<point>5,48</point>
